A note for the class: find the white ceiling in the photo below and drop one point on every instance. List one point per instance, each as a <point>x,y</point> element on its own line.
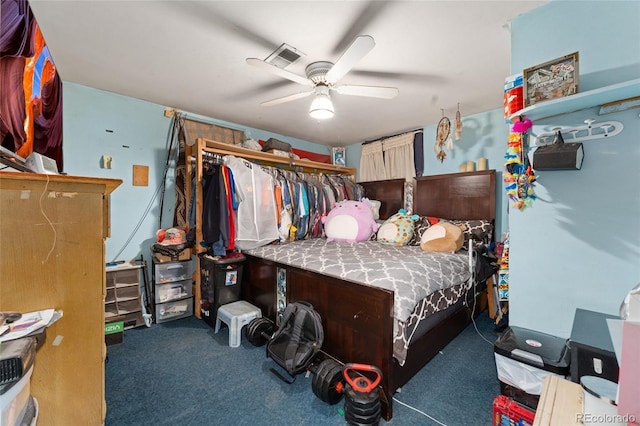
<point>191,56</point>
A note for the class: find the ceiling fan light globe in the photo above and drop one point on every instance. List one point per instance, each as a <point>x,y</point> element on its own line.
<point>321,107</point>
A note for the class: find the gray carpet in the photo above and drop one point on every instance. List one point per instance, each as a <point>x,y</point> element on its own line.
<point>181,373</point>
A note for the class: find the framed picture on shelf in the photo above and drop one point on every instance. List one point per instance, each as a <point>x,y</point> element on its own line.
<point>551,80</point>
<point>338,156</point>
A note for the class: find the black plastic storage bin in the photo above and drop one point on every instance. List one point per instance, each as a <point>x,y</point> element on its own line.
<point>524,358</point>
<point>592,352</point>
<point>220,280</point>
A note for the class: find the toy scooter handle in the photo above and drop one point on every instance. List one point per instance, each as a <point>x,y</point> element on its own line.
<point>362,383</point>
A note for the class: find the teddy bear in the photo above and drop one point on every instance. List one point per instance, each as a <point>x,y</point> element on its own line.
<point>398,229</point>
<point>443,237</point>
<point>350,221</point>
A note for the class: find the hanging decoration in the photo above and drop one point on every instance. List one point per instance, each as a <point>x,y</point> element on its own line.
<point>443,137</point>
<point>518,175</point>
<point>458,124</point>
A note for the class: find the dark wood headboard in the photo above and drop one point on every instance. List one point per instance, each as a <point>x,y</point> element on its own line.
<point>389,192</point>
<point>468,195</point>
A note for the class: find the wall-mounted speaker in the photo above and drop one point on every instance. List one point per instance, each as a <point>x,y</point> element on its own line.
<point>558,155</point>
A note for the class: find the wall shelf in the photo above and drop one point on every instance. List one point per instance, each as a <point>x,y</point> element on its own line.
<point>580,101</point>
<point>266,157</point>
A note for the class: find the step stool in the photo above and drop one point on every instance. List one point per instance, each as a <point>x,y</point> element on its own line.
<point>236,315</point>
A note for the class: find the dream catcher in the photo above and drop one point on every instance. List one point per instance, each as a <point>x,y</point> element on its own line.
<point>518,174</point>
<point>443,138</point>
<point>458,125</point>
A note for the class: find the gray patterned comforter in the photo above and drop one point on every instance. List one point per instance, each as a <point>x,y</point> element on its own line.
<point>411,273</point>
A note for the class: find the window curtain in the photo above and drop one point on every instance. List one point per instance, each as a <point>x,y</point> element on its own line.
<point>372,163</point>
<point>398,157</point>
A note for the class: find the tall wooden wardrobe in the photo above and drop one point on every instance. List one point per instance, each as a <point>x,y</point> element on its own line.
<point>52,255</point>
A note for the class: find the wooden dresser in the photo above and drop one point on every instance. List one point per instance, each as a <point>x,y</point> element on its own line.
<point>52,255</point>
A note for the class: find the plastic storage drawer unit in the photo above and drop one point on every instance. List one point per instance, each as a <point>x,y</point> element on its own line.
<point>172,271</point>
<point>174,310</point>
<point>173,291</point>
<point>524,358</point>
<point>220,280</point>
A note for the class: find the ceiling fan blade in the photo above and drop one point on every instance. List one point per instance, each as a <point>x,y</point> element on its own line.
<point>279,71</point>
<point>287,98</point>
<point>358,49</point>
<point>369,91</point>
<point>405,76</point>
<point>370,11</point>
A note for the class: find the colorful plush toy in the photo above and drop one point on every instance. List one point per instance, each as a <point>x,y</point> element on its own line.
<point>519,175</point>
<point>443,237</point>
<point>350,221</point>
<point>398,229</point>
<point>171,236</point>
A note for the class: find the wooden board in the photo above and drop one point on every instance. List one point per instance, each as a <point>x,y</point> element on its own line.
<point>140,175</point>
<point>560,403</point>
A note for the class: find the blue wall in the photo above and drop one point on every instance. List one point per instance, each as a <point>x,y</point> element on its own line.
<point>579,245</point>
<point>132,132</point>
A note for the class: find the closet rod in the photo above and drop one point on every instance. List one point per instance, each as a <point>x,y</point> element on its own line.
<point>186,116</point>
<point>392,136</point>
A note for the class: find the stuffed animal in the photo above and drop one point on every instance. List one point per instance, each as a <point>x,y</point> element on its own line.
<point>350,221</point>
<point>375,207</point>
<point>171,236</point>
<point>398,229</point>
<point>444,237</point>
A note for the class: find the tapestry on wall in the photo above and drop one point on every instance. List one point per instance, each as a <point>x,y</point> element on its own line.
<point>31,101</point>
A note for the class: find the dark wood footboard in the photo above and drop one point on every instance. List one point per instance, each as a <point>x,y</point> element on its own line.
<point>357,320</point>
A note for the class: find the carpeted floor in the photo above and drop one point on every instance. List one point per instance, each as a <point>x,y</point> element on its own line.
<point>181,373</point>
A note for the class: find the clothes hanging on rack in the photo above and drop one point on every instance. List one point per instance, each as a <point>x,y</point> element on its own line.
<point>218,227</point>
<point>256,216</point>
<point>246,205</point>
<point>211,184</point>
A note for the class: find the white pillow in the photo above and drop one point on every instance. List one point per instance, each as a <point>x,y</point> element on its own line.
<point>375,208</point>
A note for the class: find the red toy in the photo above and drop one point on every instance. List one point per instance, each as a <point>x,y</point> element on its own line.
<point>507,412</point>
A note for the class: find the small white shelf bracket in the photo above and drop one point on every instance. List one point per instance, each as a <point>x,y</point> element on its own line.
<point>590,131</point>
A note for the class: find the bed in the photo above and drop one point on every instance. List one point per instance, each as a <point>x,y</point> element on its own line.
<point>362,313</point>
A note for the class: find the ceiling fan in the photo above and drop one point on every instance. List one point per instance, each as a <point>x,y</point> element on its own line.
<point>322,77</point>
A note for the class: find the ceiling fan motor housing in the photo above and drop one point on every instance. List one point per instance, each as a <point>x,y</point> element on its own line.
<point>317,71</point>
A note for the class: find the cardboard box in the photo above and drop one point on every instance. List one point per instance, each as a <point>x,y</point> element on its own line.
<point>113,332</point>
